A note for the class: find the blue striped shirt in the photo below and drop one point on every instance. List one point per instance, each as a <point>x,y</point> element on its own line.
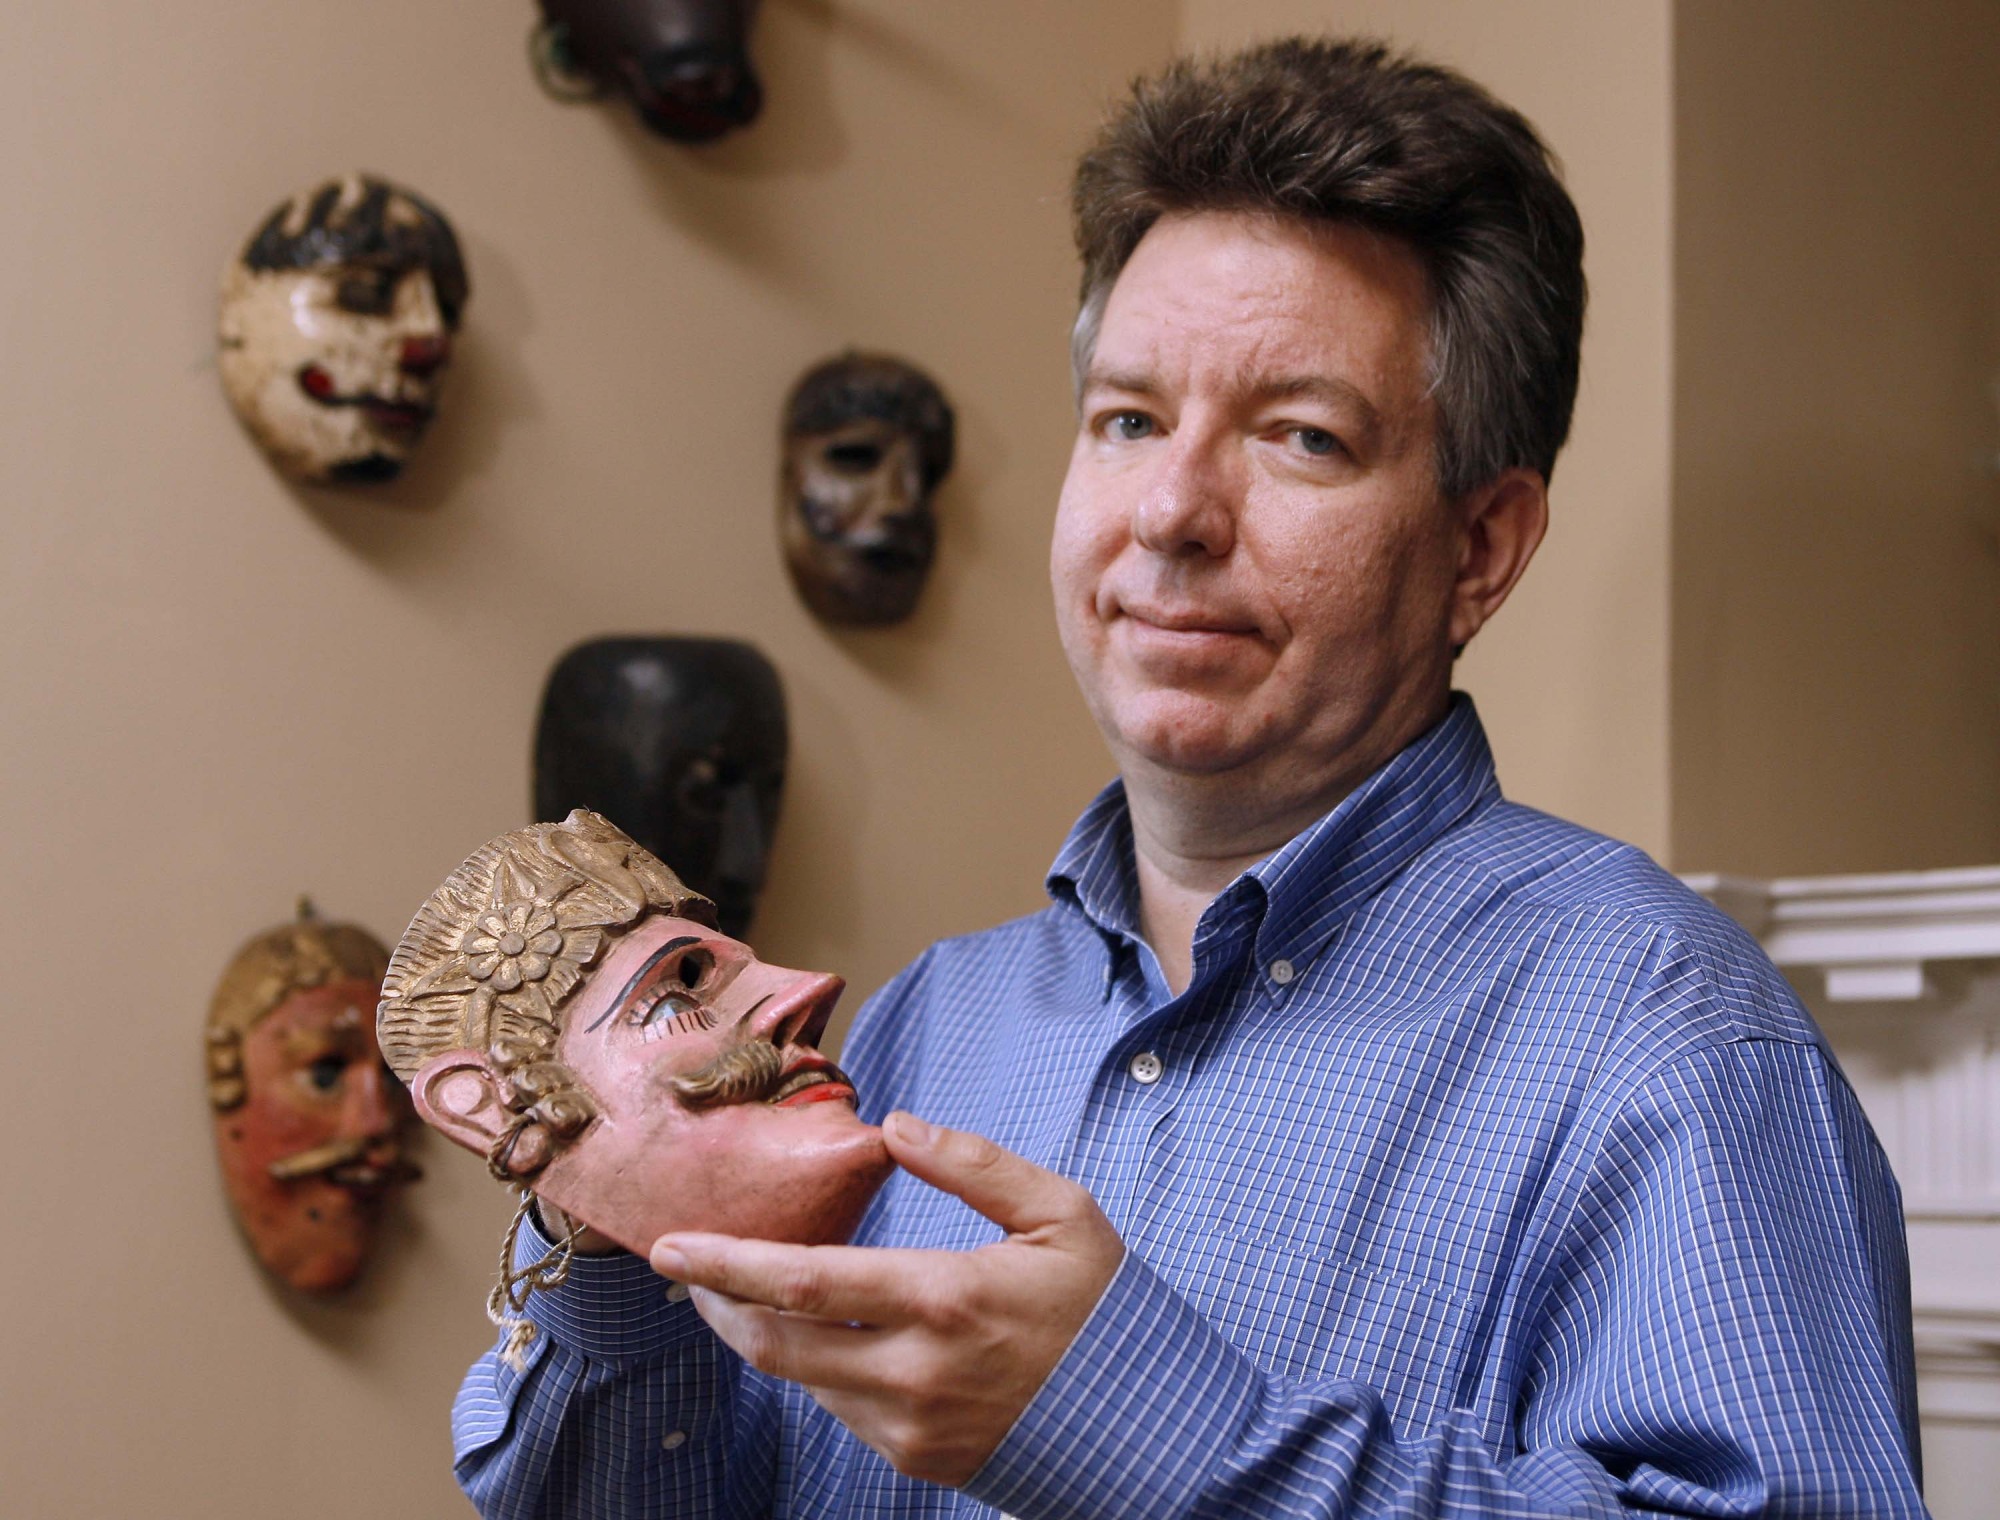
<point>1481,1169</point>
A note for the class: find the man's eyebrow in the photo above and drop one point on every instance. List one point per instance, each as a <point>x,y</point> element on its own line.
<point>1323,388</point>
<point>681,942</point>
<point>1133,382</point>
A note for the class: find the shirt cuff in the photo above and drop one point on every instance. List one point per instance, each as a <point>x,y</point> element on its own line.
<point>1142,1408</point>
<point>612,1308</point>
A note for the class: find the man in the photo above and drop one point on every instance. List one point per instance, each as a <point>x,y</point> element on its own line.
<point>1342,1139</point>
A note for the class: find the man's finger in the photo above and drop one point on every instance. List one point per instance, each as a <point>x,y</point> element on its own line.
<point>850,1284</point>
<point>1008,1189</point>
<point>817,1352</point>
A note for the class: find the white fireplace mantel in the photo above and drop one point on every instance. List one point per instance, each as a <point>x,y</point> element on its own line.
<point>1872,937</point>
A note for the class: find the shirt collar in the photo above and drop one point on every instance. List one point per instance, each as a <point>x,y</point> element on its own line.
<point>1315,881</point>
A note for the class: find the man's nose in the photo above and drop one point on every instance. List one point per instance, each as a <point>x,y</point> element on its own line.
<point>423,357</point>
<point>1189,507</point>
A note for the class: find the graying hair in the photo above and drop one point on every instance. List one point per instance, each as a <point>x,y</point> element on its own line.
<point>1321,131</point>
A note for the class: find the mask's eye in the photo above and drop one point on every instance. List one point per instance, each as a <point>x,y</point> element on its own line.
<point>670,1009</point>
<point>700,788</point>
<point>325,1073</point>
<point>853,458</point>
<point>694,967</point>
<point>366,292</point>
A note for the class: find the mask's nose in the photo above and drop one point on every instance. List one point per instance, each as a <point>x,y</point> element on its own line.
<point>797,1012</point>
<point>697,91</point>
<point>423,357</point>
<point>367,1113</point>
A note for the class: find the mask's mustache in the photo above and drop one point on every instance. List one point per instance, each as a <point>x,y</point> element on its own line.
<point>745,1074</point>
<point>348,1163</point>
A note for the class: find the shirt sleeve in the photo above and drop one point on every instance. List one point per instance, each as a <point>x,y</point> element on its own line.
<point>1717,1325</point>
<point>623,1404</point>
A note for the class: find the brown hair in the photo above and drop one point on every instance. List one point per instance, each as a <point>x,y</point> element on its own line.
<point>1318,130</point>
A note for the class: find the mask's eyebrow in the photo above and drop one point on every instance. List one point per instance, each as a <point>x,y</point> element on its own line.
<point>632,985</point>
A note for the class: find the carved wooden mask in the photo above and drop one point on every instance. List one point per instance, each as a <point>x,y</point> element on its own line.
<point>866,441</point>
<point>336,329</point>
<point>683,741</point>
<point>564,1006</point>
<point>307,1119</point>
<point>684,64</point>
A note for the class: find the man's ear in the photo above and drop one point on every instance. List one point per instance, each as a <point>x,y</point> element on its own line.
<point>1503,522</point>
<point>458,1094</point>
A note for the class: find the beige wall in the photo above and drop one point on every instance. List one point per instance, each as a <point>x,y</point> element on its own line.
<point>220,693</point>
<point>1836,526</point>
<point>1572,677</point>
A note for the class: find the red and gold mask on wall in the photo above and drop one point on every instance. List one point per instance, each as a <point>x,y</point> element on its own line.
<point>308,1121</point>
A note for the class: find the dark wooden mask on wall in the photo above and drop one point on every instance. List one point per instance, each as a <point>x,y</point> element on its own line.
<point>684,64</point>
<point>683,742</point>
<point>866,441</point>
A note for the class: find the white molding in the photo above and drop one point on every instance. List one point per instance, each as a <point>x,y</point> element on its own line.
<point>1958,1363</point>
<point>1871,937</point>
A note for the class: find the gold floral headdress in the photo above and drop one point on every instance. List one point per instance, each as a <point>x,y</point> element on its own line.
<point>494,952</point>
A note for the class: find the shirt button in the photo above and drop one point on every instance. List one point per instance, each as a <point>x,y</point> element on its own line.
<point>677,1293</point>
<point>673,1440</point>
<point>1282,972</point>
<point>1146,1068</point>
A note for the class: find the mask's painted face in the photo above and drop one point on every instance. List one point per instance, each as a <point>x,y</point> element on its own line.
<point>866,441</point>
<point>714,1108</point>
<point>336,330</point>
<point>684,64</point>
<point>311,1145</point>
<point>682,741</point>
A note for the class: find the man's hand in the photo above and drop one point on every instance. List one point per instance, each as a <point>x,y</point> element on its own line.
<point>928,1356</point>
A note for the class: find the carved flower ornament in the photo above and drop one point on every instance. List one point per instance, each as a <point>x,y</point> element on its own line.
<point>511,944</point>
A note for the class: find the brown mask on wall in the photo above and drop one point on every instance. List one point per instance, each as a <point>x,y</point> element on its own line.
<point>336,329</point>
<point>564,1006</point>
<point>308,1120</point>
<point>866,441</point>
<point>684,64</point>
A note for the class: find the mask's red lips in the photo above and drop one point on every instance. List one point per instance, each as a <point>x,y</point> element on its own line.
<point>811,1078</point>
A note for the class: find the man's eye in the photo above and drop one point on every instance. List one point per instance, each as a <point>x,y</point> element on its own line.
<point>326,1072</point>
<point>1317,441</point>
<point>1129,427</point>
<point>367,294</point>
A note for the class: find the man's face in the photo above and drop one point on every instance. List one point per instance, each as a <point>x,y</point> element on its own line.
<point>716,1110</point>
<point>311,1151</point>
<point>1252,566</point>
<point>334,370</point>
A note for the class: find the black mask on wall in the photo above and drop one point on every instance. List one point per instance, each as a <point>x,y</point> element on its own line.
<point>681,743</point>
<point>684,64</point>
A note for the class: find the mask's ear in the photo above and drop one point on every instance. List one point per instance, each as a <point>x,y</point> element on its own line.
<point>458,1094</point>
